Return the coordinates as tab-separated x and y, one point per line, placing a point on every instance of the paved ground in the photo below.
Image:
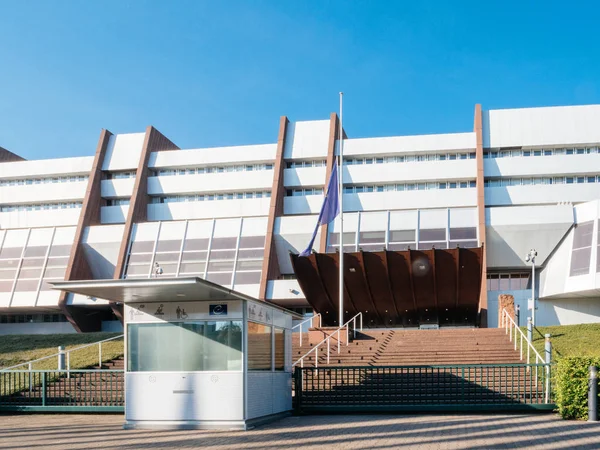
49	432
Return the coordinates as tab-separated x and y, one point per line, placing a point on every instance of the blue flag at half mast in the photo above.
330	208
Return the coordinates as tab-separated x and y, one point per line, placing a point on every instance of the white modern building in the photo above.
141	207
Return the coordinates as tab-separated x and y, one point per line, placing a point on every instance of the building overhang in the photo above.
155	289
164	290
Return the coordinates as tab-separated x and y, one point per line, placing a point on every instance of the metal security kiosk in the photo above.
199	355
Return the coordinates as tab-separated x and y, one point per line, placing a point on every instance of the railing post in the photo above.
593	395
518	315
361	322
529	330
61	357
354	326
100	355
320	320
30	386
328	340
43	388
548	351
68	364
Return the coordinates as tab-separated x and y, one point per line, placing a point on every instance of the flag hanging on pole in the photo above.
330	208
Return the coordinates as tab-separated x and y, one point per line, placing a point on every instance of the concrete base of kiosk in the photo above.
205	425
198	355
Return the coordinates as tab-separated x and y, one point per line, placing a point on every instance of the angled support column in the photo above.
154	141
78	267
270	267
478	128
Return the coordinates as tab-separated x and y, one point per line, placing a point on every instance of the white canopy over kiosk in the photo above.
199	355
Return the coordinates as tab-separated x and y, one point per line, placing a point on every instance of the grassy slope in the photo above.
569	340
15	349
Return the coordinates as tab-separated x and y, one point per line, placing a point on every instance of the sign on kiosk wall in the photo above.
260	313
182	311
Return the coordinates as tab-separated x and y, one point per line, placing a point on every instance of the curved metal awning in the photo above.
395	288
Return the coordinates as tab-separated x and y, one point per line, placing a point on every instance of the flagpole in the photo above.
341	200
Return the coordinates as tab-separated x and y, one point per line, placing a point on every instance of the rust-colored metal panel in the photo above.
445	274
270	267
356	282
311	283
470	283
399	273
375	270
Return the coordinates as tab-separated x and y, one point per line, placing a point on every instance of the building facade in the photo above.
141	207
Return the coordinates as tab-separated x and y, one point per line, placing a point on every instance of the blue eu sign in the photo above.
217	310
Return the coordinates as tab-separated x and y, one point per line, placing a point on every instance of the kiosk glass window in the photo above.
279	348
259	346
184	347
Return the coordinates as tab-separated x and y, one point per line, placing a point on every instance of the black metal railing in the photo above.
93	390
443	387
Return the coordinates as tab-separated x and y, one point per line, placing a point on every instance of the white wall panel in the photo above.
118	187
284	289
412	171
542	165
295	225
123	151
254	226
306	140
213	156
463	217
304	176
209	396
541	126
48	298
541	194
404	220
433	218
47	167
102	234
114	214
374	221
306	204
435	198
409	144
43	193
209	209
43	218
211	182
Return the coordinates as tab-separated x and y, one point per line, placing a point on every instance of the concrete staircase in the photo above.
394	347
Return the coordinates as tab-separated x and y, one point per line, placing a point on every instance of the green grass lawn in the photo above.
15	349
568	340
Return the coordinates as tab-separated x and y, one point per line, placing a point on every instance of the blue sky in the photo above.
222	72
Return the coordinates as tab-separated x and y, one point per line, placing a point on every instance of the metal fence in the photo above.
420	388
62	390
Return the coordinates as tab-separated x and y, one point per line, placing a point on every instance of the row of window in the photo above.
118	202
498	182
409	158
300	164
213	169
46	180
40	206
507	281
410	187
32	318
210	197
120	175
542	152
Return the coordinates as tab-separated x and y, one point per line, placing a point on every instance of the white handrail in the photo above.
509	324
68	354
304	321
327	340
